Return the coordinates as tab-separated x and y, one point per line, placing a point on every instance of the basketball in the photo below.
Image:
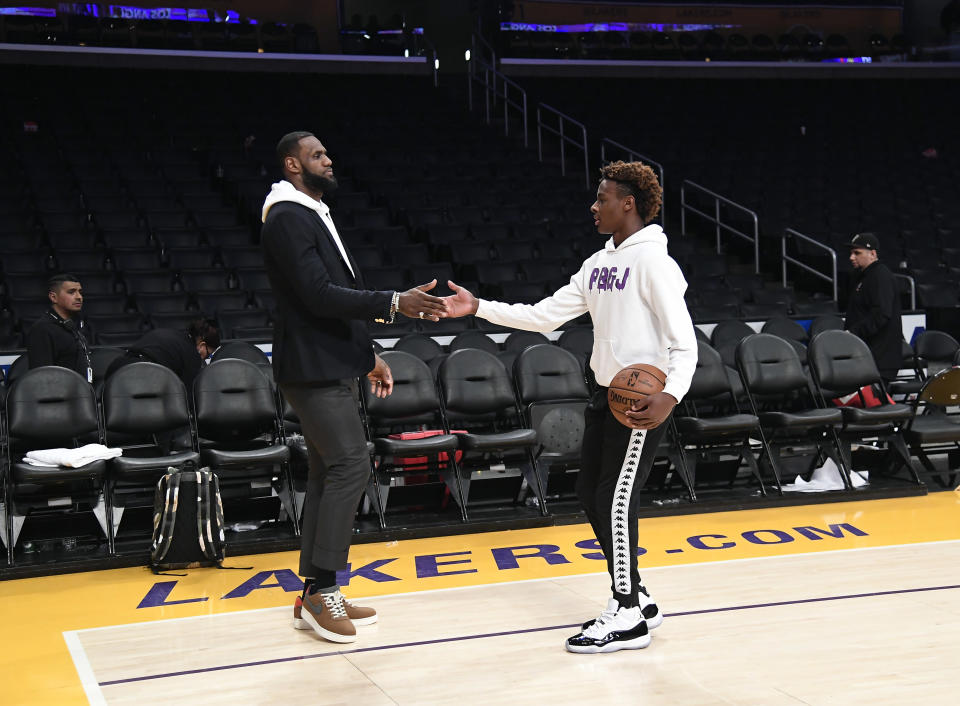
634	382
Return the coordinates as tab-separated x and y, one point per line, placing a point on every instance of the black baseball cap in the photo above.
867	241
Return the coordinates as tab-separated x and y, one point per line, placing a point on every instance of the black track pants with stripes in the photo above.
615	464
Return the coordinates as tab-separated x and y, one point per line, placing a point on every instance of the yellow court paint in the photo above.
36	667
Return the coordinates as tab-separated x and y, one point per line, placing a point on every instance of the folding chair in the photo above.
781	396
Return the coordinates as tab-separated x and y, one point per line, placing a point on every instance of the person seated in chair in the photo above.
184	352
59	337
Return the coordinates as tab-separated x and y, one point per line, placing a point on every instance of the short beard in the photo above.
322	184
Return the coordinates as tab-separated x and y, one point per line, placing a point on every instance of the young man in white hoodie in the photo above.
634	292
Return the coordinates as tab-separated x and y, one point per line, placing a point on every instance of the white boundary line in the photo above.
95	696
87	678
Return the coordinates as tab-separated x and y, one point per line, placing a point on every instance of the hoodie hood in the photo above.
285	191
652	233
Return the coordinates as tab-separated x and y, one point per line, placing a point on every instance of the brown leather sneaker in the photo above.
326	615
358	615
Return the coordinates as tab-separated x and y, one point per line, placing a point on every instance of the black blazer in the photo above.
320	331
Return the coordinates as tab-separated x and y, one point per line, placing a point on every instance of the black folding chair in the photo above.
412	407
782	397
935	425
842	364
710	424
476	392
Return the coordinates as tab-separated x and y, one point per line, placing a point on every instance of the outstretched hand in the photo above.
461	303
417	304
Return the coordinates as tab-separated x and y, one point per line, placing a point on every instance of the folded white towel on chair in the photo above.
71	458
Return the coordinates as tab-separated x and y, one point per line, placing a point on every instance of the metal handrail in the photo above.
635	156
564	139
432	58
510	103
913	288
784	258
497	85
474	39
716	220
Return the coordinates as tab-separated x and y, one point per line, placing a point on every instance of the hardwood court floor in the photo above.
841	604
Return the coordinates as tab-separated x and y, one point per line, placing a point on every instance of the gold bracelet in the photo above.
394	305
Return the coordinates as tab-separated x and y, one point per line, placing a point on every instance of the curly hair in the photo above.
638	180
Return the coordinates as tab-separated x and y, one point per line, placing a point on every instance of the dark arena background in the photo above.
137	145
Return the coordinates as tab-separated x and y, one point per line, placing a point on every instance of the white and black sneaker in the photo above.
617	628
651	613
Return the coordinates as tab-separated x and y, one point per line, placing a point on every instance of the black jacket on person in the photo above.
53	340
171	348
873	314
320	331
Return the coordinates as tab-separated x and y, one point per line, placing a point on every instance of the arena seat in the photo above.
51	407
711	424
933	428
780	395
477	393
413	404
552	393
145	409
840	364
238	431
934	351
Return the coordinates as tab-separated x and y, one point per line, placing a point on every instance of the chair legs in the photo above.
534	477
290	500
686	468
458	486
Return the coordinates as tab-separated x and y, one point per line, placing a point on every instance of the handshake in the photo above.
415	303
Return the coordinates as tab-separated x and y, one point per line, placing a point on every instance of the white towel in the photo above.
71	458
826	477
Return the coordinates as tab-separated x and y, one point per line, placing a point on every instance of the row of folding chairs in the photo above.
787	408
230	423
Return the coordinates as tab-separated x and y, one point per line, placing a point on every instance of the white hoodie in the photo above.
285	191
634	294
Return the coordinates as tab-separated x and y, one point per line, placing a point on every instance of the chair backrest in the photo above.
101	357
730	329
234	401
241	350
548	372
414	392
841	361
785	328
943	389
769	365
142	398
710	378
935	350
474	382
578	339
17	368
51	406
474	339
519	340
423	347
828	322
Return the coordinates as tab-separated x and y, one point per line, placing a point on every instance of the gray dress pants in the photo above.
339	468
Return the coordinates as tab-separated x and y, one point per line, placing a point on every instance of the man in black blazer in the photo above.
320	347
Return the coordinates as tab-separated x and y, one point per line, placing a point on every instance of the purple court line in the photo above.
462	638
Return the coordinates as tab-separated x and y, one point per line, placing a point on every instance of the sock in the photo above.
324	582
627	601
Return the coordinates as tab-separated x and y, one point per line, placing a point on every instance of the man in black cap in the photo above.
873	310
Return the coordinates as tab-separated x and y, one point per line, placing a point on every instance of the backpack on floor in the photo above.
187	521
